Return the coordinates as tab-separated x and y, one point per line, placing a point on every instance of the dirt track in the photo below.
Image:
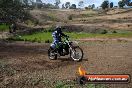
22	63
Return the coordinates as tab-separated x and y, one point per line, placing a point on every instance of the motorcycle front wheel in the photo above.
76	53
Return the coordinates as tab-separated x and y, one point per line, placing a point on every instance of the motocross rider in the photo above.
57	34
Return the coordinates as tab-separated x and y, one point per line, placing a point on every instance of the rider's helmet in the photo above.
58	29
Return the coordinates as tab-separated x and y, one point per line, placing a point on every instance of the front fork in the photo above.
71	51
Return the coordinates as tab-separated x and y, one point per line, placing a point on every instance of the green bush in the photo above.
36	22
114	31
34	40
104	32
47	41
14	39
50	29
70	17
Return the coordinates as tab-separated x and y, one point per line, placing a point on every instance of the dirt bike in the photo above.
67	48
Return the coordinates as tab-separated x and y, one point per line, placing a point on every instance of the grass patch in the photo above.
47	36
4	27
91	35
36	37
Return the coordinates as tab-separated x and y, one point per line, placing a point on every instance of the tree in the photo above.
33	4
121	4
63	6
25	2
57	2
90	6
105	4
127	2
86	8
73	6
67	5
38	1
12	10
28	3
32	1
39	4
111	5
93	6
81	4
49	6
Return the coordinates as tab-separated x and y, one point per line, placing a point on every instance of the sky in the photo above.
86	2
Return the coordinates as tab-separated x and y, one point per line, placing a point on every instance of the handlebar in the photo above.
66	38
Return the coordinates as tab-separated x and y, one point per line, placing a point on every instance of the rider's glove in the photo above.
67	36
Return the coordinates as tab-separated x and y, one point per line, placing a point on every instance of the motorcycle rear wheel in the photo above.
52	54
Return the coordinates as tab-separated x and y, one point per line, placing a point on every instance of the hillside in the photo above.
114	19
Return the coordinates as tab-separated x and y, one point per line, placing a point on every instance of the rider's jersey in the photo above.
57	36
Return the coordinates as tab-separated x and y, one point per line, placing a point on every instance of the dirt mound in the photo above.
82	28
106	39
119	11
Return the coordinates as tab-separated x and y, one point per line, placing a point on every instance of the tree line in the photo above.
11	10
18	9
106	4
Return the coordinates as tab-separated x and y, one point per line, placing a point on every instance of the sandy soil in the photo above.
122	21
